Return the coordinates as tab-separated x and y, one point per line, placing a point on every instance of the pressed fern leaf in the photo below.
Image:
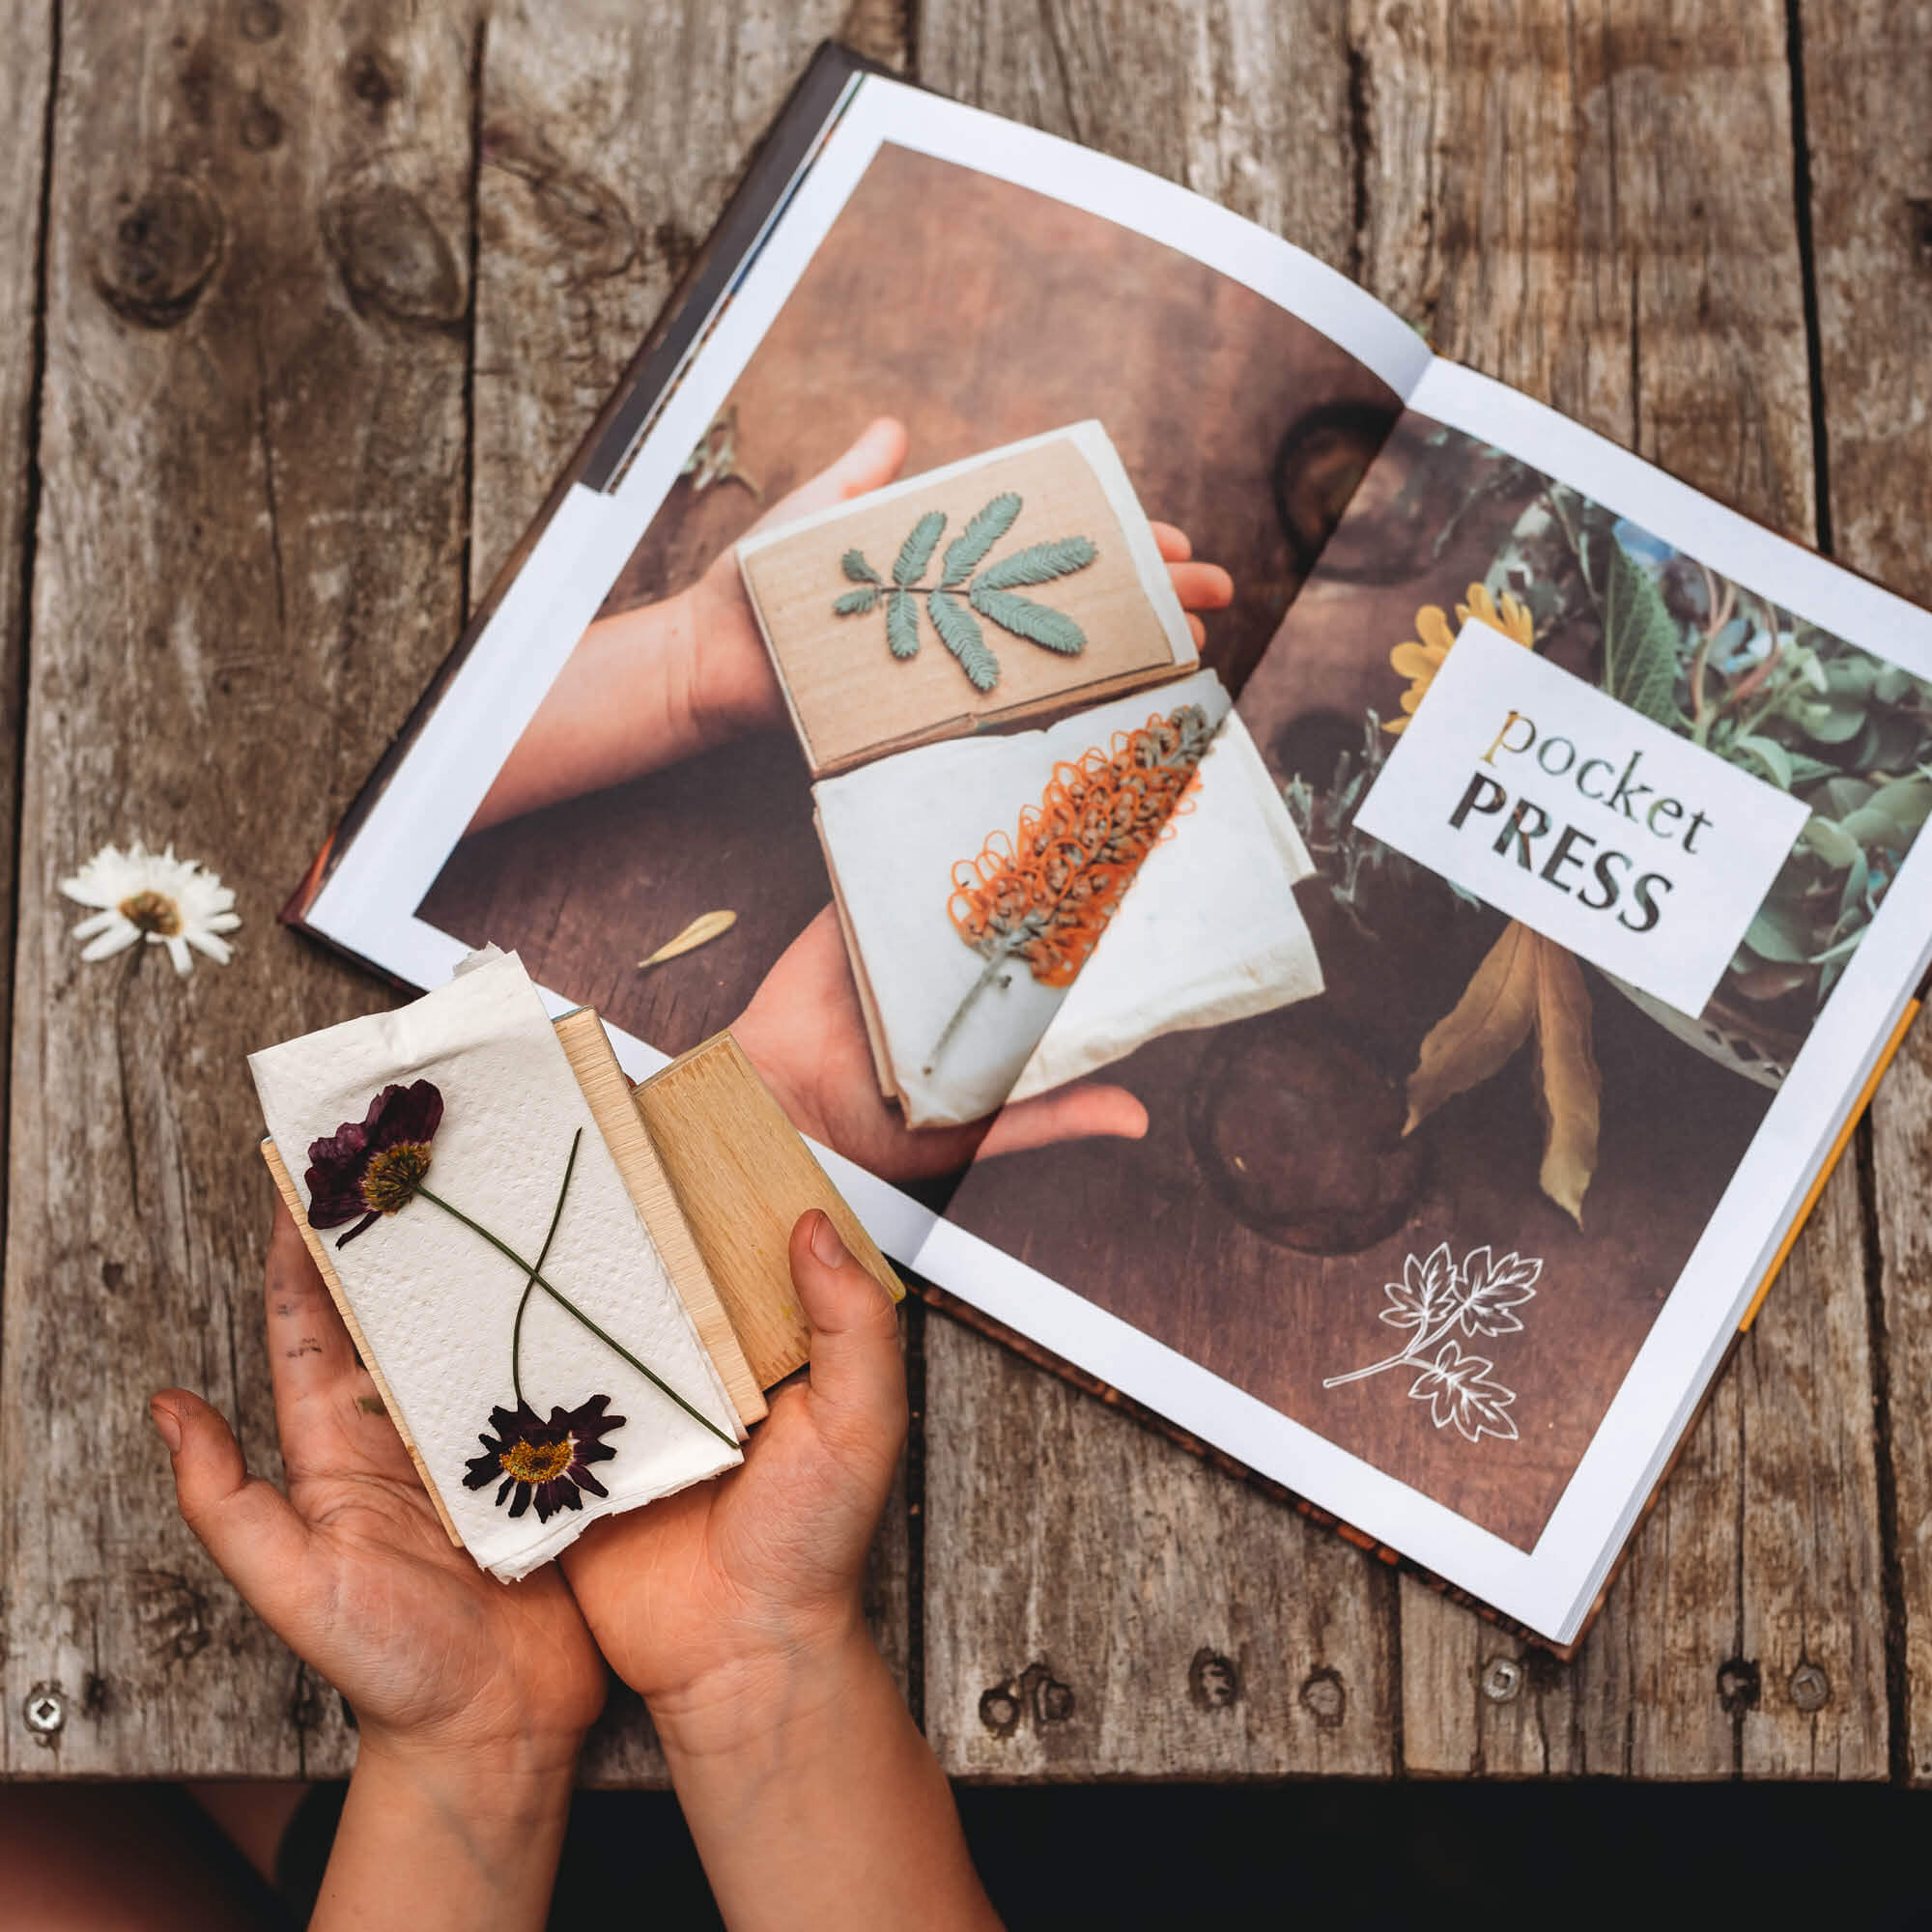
853	564
903	624
961	635
918	548
964	552
856	603
1039	563
1054	630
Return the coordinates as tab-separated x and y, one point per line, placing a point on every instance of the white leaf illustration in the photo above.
1492	1288
1458	1390
1420	1296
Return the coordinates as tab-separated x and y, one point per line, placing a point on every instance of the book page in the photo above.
1609	795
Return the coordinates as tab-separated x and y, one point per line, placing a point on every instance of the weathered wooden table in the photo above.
300	307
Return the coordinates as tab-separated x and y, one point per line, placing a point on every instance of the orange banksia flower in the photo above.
1046	895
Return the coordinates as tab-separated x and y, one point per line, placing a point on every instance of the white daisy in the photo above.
152	895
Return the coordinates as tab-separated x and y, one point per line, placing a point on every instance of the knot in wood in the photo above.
1811	1689
1739	1686
392	257
583	213
371	79
261	21
1918	213
1213	1683
1324	1698
261	126
163	249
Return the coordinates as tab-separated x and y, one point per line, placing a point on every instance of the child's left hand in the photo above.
351	1567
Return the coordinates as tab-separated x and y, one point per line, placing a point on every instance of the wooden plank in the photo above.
610	140
1599	211
248	564
1096	1602
1124	1606
27	29
1868	72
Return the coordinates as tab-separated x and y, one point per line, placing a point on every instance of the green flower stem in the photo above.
543	1255
1005	953
564	1301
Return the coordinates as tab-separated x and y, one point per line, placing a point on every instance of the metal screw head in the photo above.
45	1710
1502	1680
1811	1689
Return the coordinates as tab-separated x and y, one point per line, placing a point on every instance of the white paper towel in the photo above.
437	1302
894	828
1208	931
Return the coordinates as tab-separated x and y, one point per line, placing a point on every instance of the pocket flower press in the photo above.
378	1166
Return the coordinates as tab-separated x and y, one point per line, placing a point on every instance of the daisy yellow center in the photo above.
152	912
393	1177
536	1461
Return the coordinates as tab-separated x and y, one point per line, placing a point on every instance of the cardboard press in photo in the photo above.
963	1016
1018	582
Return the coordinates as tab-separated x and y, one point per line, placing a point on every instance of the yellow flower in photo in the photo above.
1419	662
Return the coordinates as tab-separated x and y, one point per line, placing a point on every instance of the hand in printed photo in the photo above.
649	687
805	1034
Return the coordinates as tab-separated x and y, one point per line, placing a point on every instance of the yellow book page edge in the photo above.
1831	1160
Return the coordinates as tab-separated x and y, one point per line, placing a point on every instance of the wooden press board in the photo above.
720	1213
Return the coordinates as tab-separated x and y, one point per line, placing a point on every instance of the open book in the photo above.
1519	889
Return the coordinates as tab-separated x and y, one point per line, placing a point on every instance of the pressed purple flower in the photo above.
368	1169
545	1459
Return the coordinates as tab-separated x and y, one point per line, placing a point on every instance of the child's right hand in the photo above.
719	1603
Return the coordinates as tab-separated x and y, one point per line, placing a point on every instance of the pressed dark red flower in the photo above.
368	1169
545	1459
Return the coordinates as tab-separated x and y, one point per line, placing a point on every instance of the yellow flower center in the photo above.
393	1177
152	912
536	1461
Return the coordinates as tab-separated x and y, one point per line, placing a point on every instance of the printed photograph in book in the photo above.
1433	1210
919	661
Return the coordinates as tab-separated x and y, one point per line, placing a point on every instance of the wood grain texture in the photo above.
247	567
1101	1602
611	134
247	553
1600	211
744	1178
588	1047
1868	74
1097	1603
27	30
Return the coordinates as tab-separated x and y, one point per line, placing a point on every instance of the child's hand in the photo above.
352	1569
716	1602
805	1033
734	688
